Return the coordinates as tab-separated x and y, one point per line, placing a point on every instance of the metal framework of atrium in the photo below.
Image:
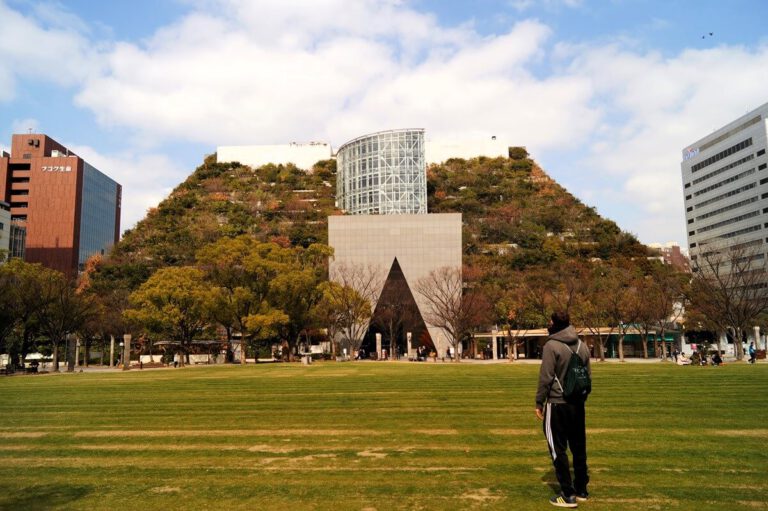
383	173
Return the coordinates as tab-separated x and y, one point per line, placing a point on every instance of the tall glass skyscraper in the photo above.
383	173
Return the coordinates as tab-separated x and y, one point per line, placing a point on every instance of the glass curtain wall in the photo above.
383	173
98	214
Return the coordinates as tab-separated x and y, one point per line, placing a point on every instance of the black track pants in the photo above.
563	429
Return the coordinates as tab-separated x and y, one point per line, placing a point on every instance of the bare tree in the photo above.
449	307
730	287
353	299
523	306
666	297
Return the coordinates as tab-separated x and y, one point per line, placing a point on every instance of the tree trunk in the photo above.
621	347
601	351
55	357
645	345
738	348
72	352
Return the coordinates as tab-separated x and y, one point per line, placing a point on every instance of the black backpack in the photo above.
577	384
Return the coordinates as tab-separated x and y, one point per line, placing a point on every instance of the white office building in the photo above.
725	183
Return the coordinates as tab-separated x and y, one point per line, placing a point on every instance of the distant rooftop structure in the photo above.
671	253
440	150
304	155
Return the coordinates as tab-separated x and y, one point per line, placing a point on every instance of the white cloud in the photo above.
652	107
55	54
319	71
24	125
524	5
146	178
238	72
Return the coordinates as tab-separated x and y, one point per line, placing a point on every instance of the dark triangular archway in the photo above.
396	314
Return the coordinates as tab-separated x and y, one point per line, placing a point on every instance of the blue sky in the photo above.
604	94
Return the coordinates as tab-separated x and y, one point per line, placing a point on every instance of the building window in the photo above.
724	169
722	154
730	221
762	167
726	195
741	231
690	221
761	152
727	208
725	182
693	245
689	208
691	233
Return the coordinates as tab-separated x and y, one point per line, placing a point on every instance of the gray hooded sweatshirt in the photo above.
554	362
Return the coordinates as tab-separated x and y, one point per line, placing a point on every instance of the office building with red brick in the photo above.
70	210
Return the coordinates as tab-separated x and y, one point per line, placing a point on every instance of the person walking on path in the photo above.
752	353
563	421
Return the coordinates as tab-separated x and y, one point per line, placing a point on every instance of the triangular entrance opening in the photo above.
395	315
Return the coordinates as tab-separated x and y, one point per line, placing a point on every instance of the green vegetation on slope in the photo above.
375	436
515	217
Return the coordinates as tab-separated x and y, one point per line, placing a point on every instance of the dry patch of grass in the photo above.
223	433
481	495
22	434
372	454
440	432
750	433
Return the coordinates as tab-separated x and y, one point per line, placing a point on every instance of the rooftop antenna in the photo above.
30	130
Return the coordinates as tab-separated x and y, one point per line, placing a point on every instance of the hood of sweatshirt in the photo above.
567	335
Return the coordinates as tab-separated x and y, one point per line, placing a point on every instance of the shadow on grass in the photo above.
550	479
42	497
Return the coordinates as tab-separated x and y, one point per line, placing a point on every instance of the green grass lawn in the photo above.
376	436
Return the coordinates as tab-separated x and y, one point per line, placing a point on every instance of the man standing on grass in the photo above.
564	425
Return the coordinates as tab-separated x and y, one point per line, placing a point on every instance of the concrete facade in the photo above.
70	210
725	184
421	244
303	155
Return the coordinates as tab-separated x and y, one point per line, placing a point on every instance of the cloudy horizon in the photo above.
604	95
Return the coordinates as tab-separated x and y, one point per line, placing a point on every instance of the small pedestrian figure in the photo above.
752	353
